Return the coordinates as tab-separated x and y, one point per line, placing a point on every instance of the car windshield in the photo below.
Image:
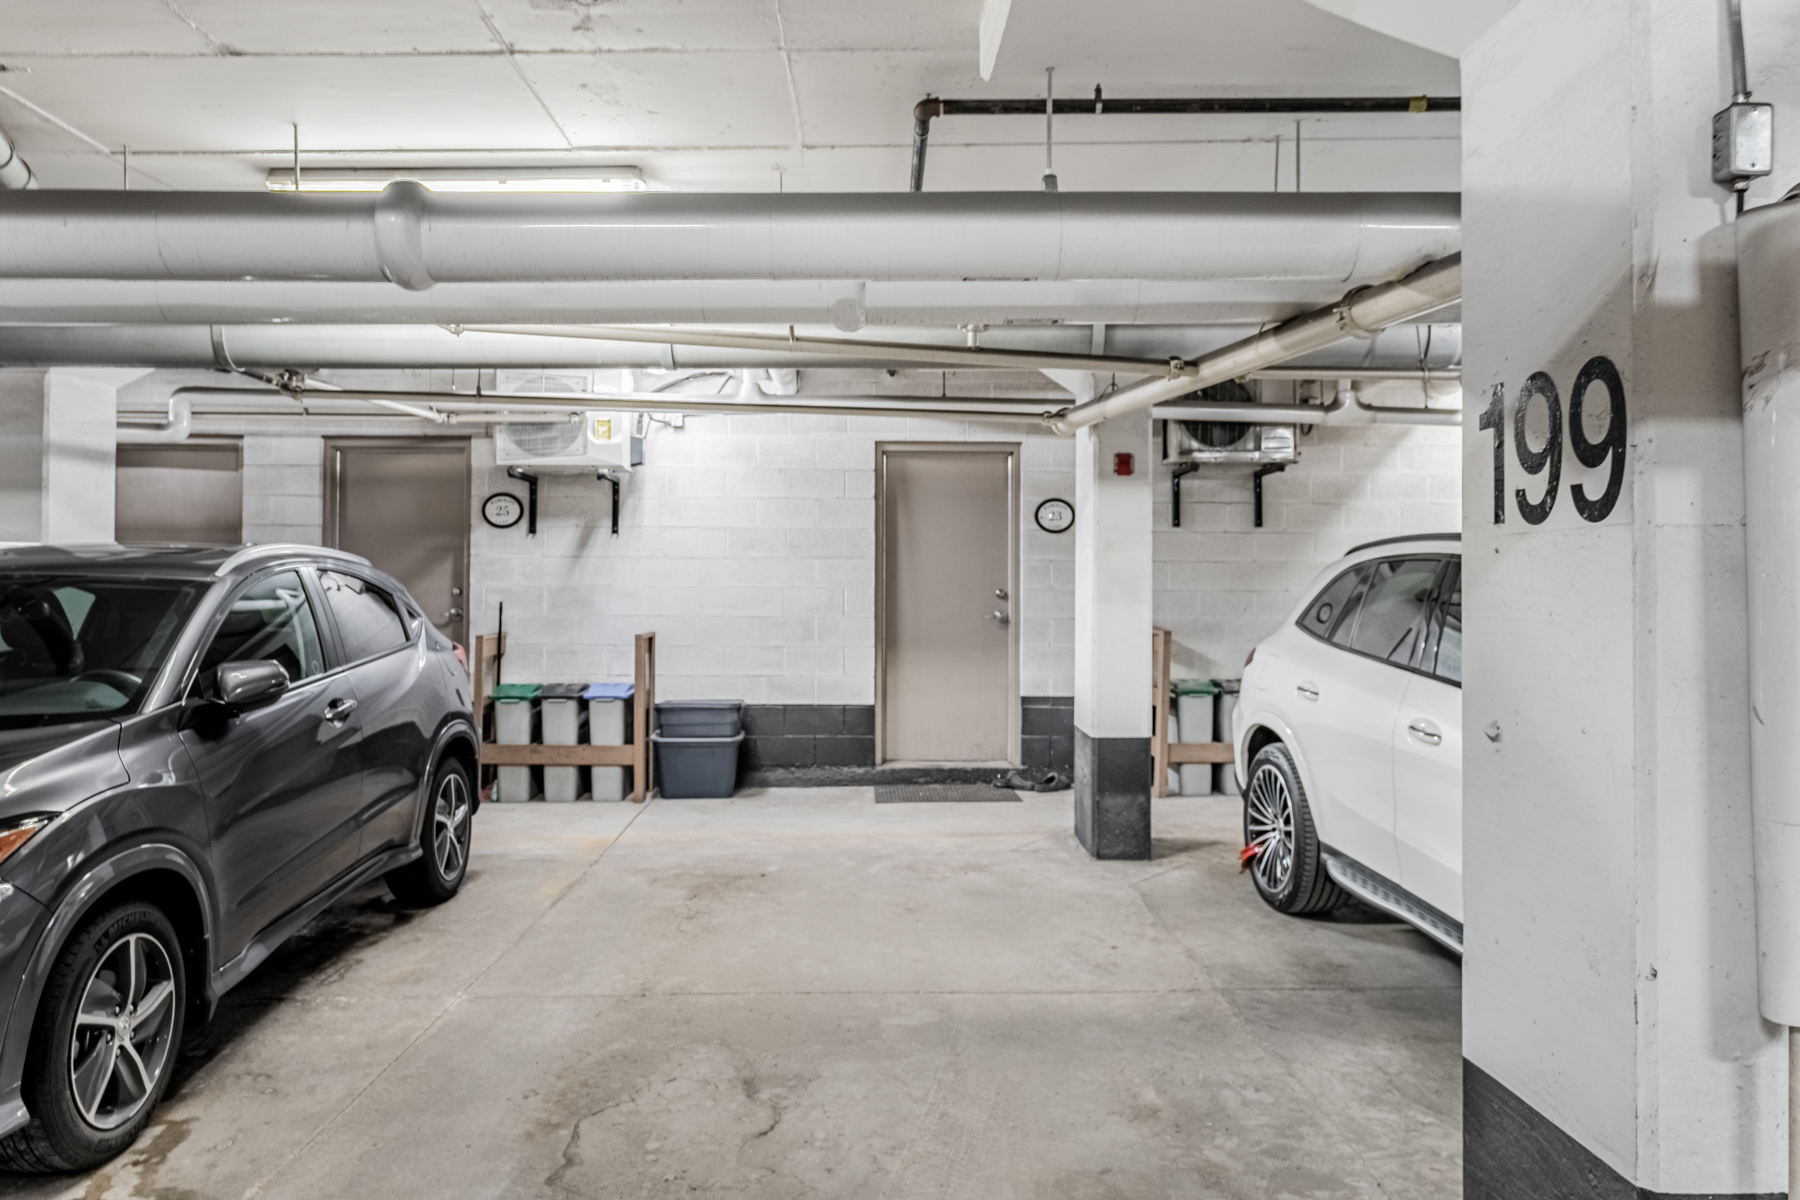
73	648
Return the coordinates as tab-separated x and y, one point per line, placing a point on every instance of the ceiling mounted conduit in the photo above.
416	239
925	110
1401	351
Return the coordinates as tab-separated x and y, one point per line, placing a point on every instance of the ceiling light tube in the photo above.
462	179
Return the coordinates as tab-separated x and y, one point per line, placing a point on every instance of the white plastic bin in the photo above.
1228	699
560	714
1194	712
512	727
608	706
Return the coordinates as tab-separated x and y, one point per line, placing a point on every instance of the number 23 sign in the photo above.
1598	372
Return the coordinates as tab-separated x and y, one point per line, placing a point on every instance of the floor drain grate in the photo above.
941	793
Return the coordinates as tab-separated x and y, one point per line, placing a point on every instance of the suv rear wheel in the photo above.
437	875
1287	867
104	1045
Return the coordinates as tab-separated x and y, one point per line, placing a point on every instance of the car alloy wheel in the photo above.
124	1032
1269	820
450	825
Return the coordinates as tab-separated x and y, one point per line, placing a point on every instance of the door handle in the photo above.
339	710
1307	691
999	614
454	614
1426	732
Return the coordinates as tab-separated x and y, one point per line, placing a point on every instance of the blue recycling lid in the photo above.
609	691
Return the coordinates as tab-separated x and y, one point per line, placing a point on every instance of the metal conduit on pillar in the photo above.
15	172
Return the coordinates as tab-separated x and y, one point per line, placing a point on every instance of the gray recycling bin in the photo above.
1194	721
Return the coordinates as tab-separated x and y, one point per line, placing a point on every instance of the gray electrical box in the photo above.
1743	142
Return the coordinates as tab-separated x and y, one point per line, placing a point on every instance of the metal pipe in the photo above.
948	408
1740	72
931	107
417	238
998	303
15	172
1395	353
1360	314
847	348
175	429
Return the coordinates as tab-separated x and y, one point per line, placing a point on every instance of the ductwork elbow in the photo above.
400	234
15	173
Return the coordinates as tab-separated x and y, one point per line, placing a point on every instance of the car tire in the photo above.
119	982
1288	869
444	837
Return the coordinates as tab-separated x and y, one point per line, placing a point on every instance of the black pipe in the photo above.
531	482
930	107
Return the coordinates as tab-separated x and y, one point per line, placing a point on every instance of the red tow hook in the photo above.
1246	854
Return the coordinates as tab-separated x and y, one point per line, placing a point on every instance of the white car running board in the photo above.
1391	898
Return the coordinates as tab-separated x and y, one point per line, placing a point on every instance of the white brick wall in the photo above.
748	544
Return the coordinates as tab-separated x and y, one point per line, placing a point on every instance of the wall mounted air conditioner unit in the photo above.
1228	442
591	440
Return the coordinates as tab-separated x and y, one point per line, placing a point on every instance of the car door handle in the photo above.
1426	732
339	710
1307	691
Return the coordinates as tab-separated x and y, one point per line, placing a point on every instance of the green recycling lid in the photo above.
517	691
1195	687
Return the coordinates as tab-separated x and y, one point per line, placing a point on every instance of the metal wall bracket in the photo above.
1256	485
531	482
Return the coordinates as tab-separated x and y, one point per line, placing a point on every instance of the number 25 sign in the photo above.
1597	372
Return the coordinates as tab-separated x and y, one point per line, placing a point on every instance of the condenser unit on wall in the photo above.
1228	442
590	440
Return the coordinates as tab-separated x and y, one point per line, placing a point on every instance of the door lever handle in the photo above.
1000	615
339	710
1426	732
1307	691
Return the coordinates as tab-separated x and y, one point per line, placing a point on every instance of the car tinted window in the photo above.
367	618
1387	625
273	620
74	648
1333	607
1444	654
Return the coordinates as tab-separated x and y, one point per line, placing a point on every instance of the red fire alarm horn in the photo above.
1122	464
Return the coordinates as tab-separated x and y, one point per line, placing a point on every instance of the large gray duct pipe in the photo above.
845	304
415	238
272	347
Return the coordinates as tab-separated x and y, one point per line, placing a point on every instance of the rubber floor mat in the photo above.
941	793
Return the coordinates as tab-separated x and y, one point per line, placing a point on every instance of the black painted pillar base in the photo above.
1112	795
1513	1152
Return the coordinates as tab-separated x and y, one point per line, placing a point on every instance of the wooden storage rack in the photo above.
1164	752
634	754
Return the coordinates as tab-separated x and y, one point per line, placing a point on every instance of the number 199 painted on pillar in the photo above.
1548	457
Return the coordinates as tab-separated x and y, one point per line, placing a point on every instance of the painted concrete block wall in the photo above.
748	542
1610	971
21	455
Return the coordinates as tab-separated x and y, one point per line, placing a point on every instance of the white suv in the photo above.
1349	740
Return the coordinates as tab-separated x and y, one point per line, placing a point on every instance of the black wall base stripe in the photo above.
1513	1152
833	745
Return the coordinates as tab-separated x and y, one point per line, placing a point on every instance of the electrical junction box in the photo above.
1743	142
589	440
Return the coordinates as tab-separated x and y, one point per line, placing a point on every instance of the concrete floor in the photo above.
804	994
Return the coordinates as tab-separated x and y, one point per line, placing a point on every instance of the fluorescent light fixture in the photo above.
463	179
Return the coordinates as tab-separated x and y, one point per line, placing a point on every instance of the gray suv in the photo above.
200	750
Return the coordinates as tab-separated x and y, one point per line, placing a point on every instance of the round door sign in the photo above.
1055	516
502	510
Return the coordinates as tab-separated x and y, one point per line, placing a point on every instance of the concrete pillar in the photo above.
58	430
1112	638
1611	1035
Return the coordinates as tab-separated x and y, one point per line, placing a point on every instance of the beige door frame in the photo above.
1011	450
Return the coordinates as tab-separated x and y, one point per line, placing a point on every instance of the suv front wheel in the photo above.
104	1045
1287	867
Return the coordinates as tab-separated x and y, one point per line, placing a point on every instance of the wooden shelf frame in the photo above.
1163	752
636	753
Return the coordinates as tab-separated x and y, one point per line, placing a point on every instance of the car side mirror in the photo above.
246	684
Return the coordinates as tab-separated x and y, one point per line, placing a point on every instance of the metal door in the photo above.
403	504
191	493
947	579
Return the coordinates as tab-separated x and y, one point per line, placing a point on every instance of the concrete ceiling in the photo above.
742	95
